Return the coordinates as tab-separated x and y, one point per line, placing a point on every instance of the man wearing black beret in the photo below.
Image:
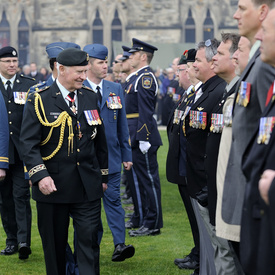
14	190
65	151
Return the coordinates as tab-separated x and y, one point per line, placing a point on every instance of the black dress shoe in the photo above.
144	231
191	264
24	251
9	250
123	252
180	261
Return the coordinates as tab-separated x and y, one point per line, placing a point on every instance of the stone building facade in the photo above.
29	25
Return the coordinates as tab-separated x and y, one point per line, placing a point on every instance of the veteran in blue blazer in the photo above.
112	111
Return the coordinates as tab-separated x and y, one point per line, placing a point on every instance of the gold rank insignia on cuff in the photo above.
104	172
4	159
37	169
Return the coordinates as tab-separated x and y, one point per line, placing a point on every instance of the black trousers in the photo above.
53	223
15	205
195	253
146	169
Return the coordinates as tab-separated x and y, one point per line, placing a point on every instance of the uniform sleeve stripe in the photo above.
4	159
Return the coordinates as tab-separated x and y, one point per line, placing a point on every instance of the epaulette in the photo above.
43	89
26	76
88	88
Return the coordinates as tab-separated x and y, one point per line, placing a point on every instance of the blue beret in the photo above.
8	52
139	45
126	53
55	48
73	57
96	51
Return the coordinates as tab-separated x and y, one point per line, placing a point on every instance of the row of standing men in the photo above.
221	146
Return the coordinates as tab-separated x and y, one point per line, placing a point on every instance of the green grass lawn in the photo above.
154	255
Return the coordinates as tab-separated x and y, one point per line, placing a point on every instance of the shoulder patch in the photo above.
43	89
147	81
88	88
26	76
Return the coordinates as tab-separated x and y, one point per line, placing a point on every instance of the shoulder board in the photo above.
43	89
87	88
26	76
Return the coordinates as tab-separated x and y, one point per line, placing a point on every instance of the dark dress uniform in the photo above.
15	188
4	138
211	159
257	226
78	170
196	138
176	165
140	102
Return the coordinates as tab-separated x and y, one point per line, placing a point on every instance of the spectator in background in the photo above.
34	73
44	71
26	69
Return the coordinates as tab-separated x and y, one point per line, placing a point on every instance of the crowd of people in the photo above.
74	136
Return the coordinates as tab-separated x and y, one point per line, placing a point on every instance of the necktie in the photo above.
8	87
72	102
224	93
99	94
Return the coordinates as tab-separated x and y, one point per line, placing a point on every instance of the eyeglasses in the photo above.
9	61
208	43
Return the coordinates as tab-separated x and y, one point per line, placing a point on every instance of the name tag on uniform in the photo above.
19	97
92	117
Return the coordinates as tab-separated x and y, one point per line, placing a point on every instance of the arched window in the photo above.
23	40
190	29
208	27
4	31
116	28
97	29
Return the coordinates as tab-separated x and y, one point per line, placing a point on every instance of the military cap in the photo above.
126	53
8	52
139	45
73	57
182	60
55	48
97	51
190	55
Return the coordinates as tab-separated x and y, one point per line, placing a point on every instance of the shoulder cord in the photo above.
61	120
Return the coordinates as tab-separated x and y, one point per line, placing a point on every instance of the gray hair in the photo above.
210	46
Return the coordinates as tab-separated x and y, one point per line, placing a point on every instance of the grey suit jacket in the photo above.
245	121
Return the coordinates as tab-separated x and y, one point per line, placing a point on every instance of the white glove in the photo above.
144	146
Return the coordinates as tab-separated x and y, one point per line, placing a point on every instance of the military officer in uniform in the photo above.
112	109
65	150
140	101
176	157
4	141
53	51
15	188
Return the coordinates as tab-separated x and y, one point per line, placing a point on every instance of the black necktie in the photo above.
9	87
71	102
99	94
